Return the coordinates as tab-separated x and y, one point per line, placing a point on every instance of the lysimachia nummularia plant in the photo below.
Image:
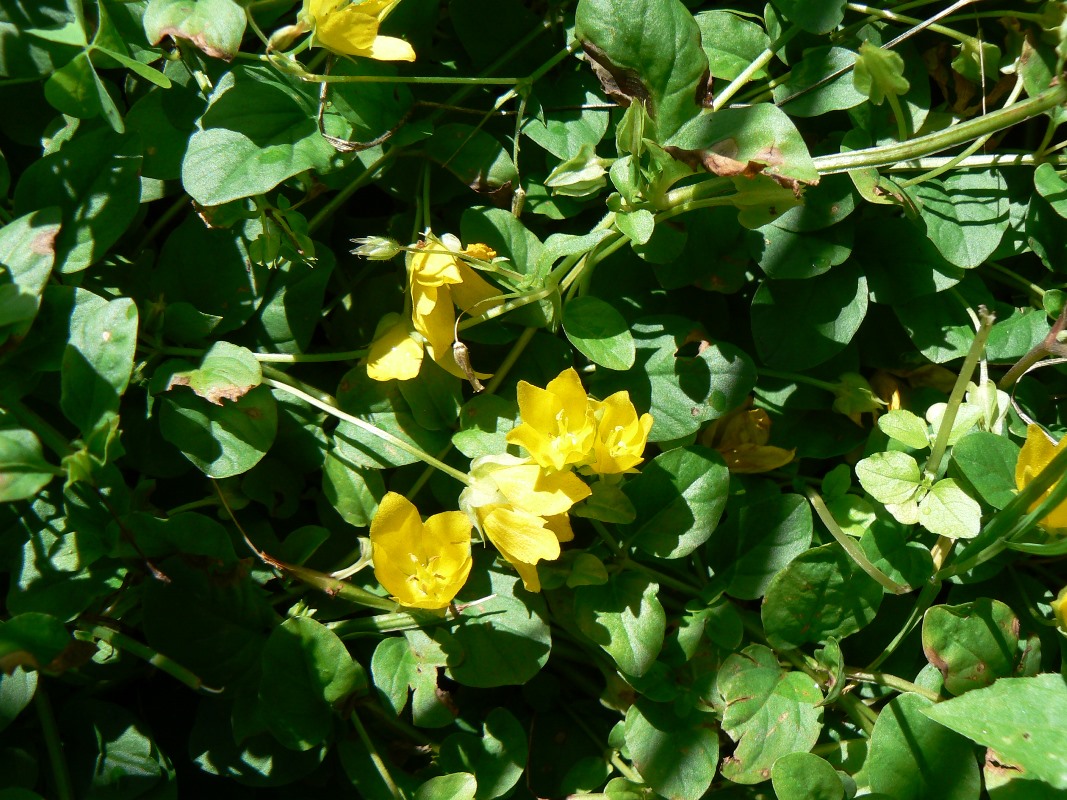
478	399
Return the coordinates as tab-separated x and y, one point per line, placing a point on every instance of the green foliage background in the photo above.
812	208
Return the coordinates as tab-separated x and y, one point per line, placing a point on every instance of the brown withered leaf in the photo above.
621	84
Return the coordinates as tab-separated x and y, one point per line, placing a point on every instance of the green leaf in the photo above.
505	640
901	263
599	332
354	492
638	226
891	477
625	618
987	462
476	158
769	713
77	90
23	56
821	594
879	73
382	405
729	140
940	331
258	760
219	281
565	134
220	440
798	324
410	664
648	51
17	688
731	43
193	534
905	427
214	26
1022	718
98	359
496	758
814	16
484	422
226	372
455	786
94	180
805	776
949	511
913	758
23	468
972	644
31	640
110	749
257	132
26	257
784	254
1052	187
681	392
757	540
306	670
804	94
965	214
679	497
677	755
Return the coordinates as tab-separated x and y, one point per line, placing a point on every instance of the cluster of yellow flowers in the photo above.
520	504
439	281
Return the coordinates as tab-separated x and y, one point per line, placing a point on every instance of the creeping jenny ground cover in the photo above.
482	399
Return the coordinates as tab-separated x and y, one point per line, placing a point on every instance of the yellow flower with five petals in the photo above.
440	280
558	425
421	564
522	509
1037	452
351	28
621	436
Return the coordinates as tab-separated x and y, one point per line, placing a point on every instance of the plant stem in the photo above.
273	358
937	451
850	546
762	60
892	681
942	140
121	641
334	411
790	376
376	759
53	743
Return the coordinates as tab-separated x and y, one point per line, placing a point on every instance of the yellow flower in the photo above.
1059	608
394	353
522	510
558	423
352	29
421	564
741	437
619	442
1033	458
439	280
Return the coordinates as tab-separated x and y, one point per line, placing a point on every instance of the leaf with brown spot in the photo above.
227	372
745	142
215	26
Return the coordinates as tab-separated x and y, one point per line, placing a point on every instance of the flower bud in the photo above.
376	248
580	176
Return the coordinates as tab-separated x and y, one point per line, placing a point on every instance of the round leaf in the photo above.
599	332
676	755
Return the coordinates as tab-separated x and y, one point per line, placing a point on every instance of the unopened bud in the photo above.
580	176
376	248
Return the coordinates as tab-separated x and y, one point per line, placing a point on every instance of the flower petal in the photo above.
394	355
387	48
520	536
